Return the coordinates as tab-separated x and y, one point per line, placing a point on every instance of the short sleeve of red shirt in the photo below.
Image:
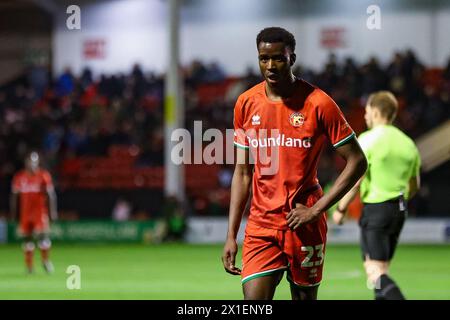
47	180
333	122
240	140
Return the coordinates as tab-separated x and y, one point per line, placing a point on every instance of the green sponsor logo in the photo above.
97	231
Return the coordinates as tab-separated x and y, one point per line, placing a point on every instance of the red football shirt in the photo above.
32	189
285	139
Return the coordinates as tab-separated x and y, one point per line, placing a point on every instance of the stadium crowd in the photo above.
72	116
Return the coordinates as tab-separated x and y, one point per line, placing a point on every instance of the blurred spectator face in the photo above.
275	61
32	162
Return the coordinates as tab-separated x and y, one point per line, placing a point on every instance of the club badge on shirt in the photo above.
296	119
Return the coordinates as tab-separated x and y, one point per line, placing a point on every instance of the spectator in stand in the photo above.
38	78
86	78
214	73
65	83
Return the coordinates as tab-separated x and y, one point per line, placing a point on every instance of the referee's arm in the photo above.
341	209
414	186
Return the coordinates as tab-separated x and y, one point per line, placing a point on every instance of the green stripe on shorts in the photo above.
262	274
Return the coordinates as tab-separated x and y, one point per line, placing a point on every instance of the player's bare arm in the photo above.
356	166
51	194
240	191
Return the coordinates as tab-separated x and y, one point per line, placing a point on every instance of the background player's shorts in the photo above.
28	228
300	252
381	224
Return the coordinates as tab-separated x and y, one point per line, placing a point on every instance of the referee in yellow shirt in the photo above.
391	179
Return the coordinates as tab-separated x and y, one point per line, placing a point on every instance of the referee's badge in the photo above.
296	119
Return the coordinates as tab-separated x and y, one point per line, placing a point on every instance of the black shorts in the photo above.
381	224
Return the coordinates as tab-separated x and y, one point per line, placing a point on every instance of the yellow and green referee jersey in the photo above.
393	159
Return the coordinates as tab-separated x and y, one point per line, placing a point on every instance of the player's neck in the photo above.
380	122
284	90
32	172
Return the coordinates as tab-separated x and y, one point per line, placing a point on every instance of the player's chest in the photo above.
300	121
31	185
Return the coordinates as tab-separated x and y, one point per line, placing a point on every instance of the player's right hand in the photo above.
338	217
229	256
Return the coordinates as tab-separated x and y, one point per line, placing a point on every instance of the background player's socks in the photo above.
28	248
45	254
29	260
388	289
48	266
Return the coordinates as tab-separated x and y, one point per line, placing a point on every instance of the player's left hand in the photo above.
338	217
300	215
229	257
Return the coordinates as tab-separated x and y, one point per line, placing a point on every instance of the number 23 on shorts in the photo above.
314	256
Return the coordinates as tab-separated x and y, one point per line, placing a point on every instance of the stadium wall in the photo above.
119	33
99	204
95	231
430	231
209	230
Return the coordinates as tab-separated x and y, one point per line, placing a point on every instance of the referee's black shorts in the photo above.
381	224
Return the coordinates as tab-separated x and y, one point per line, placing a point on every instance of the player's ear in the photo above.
293	57
376	113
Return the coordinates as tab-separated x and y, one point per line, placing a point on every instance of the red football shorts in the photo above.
300	252
28	227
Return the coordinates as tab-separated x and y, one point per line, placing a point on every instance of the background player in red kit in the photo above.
287	120
34	189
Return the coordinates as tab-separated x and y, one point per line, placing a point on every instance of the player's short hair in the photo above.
276	34
385	102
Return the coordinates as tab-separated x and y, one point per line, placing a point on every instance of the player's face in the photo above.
32	162
275	61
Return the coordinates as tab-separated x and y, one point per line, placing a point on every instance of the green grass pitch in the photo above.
191	272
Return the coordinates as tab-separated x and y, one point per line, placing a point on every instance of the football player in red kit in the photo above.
33	197
289	120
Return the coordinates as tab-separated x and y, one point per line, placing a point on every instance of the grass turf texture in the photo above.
186	272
